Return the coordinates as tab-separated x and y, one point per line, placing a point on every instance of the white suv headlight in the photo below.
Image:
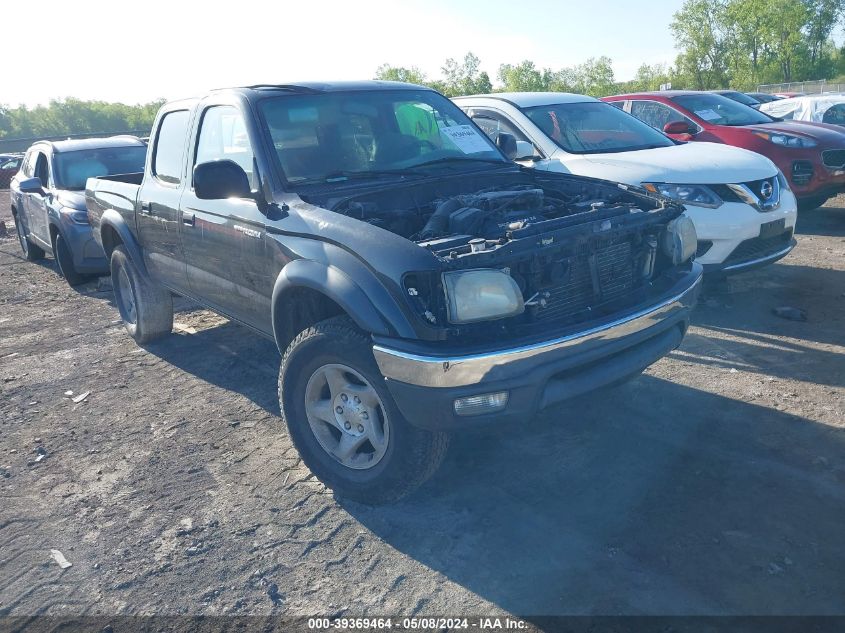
481	295
680	241
698	195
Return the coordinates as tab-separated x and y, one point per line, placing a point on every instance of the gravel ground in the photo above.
713	484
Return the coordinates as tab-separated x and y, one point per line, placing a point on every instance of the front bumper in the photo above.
88	255
724	229
824	182
539	374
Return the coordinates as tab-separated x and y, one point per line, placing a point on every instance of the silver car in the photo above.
48	199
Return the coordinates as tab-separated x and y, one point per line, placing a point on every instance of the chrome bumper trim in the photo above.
761	260
458	371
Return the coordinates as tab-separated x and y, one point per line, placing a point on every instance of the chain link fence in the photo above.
810	87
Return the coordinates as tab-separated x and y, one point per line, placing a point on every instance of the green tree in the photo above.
411	75
787	42
465	78
699	31
823	17
524	77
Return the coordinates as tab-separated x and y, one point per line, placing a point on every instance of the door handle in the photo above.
146	207
189	220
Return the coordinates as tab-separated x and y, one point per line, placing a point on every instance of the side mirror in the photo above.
219	179
31	185
507	143
678	127
524	150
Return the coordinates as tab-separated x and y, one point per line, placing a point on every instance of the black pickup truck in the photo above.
414	279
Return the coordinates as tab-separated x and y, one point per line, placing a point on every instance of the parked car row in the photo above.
821	108
743	210
488	257
810	155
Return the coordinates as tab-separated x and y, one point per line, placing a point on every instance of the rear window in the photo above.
73	169
170	146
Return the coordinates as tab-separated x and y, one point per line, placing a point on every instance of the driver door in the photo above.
224	239
36	203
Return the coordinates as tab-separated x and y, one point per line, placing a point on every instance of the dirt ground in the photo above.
713	484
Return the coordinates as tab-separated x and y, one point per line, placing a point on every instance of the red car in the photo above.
811	155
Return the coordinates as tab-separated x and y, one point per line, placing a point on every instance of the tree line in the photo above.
75	116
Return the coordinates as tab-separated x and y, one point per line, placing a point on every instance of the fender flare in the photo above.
114	220
335	285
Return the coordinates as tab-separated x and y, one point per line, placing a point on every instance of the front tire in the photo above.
31	252
344	422
64	258
145	307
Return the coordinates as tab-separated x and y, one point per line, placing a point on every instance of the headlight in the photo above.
787	140
698	195
480	295
679	241
77	216
784	185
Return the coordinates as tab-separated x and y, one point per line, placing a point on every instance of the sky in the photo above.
138	52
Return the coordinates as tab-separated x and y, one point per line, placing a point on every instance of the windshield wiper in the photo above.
340	175
451	159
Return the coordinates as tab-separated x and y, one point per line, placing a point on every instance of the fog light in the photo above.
484	403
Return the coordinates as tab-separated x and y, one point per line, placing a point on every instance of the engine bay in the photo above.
576	248
464	223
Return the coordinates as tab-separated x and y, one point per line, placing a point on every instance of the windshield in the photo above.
720	110
334	136
741	97
72	169
594	127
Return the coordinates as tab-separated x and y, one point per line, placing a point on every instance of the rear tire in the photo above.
324	371
31	252
64	258
145	307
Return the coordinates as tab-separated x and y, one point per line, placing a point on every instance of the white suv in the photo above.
743	210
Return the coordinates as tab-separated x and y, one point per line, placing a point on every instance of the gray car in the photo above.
48	199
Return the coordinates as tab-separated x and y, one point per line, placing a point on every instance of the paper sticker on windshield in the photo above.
466	139
708	114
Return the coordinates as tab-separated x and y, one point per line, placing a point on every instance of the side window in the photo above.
223	136
620	105
494	125
41	169
28	164
169	151
655	114
835	115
